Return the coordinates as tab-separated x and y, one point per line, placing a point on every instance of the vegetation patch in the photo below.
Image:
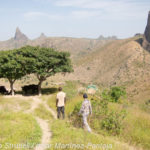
65	136
114	94
42	112
14	104
19	128
102	118
145	106
70	89
137	129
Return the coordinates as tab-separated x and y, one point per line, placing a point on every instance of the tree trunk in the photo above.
39	88
12	87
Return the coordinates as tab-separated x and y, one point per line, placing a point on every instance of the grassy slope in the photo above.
136	131
136	126
17	127
64	134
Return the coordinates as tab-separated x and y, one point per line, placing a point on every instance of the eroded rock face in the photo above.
146	41
19	36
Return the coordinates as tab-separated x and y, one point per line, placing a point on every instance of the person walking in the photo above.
60	103
85	110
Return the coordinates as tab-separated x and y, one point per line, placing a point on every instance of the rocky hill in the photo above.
146	41
17	41
76	46
120	62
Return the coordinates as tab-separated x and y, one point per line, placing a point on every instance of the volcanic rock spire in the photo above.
146	41
19	36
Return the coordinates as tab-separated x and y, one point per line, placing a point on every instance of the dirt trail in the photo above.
51	110
35	103
44	125
46	134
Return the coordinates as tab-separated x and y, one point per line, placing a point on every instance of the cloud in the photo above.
85	14
102	9
40	15
126	8
73	3
96	4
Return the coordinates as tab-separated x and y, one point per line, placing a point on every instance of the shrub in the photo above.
102	118
116	93
88	68
113	122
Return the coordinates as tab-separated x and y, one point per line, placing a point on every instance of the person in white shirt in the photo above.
60	103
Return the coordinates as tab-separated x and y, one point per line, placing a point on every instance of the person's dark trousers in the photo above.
61	110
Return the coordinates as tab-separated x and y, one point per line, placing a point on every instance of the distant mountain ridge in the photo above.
76	46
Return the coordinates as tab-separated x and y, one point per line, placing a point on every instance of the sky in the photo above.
73	18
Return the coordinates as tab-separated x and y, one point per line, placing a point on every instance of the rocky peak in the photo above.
146	41
147	30
42	36
19	36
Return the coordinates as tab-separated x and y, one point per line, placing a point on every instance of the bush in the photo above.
102	118
113	122
114	94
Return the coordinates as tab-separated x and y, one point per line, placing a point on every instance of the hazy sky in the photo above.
73	18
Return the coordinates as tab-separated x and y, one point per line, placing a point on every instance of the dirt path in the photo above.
35	103
46	134
51	110
44	125
46	137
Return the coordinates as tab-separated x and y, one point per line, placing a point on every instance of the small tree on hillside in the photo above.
116	93
47	62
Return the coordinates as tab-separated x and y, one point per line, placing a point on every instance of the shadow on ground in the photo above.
45	91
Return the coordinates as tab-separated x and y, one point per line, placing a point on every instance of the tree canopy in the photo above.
47	62
43	62
11	67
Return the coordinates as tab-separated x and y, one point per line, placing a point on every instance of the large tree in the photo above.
47	62
12	66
